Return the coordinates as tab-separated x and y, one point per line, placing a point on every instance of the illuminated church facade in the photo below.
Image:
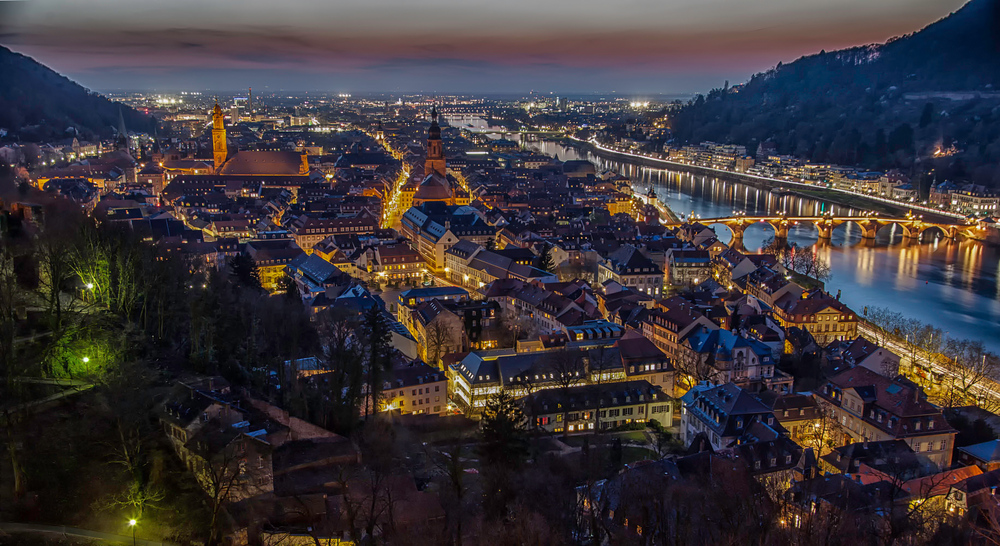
435	185
251	163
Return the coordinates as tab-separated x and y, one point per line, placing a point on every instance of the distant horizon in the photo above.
572	95
632	48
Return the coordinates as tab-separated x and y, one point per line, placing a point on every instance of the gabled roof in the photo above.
628	260
315	268
987	452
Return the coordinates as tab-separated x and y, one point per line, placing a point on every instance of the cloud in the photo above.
549	42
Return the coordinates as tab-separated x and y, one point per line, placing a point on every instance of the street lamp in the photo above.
86	359
131	523
90	286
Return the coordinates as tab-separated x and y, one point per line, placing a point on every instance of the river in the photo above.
952	285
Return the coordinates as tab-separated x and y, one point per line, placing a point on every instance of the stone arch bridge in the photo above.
913	227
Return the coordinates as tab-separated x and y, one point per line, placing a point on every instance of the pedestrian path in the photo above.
102	538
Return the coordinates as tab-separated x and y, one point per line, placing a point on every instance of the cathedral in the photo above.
249	163
434	185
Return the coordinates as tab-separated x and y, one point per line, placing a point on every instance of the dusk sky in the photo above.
629	46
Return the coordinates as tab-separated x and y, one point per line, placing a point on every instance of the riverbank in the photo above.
830	195
938	281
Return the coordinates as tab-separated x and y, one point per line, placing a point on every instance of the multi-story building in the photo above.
975	200
641	359
271	257
628	267
819	313
800	415
870	407
720	356
434	228
470	265
542	310
688	266
415	388
586	408
768	285
722	413
411	299
394	262
670	321
437	330
309	230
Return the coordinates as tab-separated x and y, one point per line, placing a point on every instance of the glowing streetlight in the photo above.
86	359
90	286
132	523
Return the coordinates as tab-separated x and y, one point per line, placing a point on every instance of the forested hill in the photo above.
37	104
879	106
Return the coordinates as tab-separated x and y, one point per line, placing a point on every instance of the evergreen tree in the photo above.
376	355
503	448
504	436
545	262
243	270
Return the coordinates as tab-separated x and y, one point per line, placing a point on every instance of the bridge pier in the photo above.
738	230
868	229
825	230
780	230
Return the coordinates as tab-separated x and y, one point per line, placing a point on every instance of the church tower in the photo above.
122	141
435	149
219	150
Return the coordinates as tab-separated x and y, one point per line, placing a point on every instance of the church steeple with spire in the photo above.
121	141
434	184
435	162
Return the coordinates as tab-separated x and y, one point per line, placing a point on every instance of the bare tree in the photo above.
440	339
368	498
824	433
220	477
565	369
886	323
12	366
598	360
448	462
972	371
807	262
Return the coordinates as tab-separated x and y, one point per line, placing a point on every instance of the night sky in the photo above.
563	46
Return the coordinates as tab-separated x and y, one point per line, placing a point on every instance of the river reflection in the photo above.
951	284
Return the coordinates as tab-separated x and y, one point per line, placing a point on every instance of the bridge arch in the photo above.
895	229
807	232
723	230
929	233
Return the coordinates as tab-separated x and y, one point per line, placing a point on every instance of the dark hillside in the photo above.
879	106
37	104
